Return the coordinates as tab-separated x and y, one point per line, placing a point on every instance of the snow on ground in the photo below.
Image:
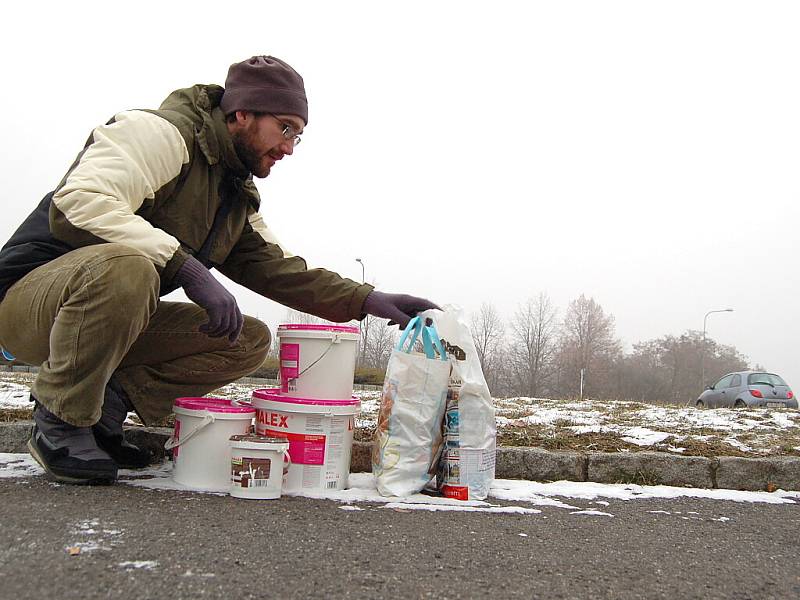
14	395
664	427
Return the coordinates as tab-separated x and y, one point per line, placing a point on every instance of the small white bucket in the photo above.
320	436
257	466
318	361
200	443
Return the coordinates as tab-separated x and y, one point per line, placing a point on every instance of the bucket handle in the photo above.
334	340
172	442
288	458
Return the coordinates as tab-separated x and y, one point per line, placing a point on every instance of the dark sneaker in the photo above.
109	434
69	454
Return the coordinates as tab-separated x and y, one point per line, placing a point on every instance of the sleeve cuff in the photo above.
357	301
172	267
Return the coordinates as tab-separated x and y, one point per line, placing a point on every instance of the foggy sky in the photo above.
644	154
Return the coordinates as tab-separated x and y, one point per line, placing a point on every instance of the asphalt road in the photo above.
203	546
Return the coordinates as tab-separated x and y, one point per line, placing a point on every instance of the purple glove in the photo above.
398	308
224	318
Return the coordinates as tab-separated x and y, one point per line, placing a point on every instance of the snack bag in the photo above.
408	436
467	464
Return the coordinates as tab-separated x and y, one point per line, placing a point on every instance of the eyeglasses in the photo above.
287	131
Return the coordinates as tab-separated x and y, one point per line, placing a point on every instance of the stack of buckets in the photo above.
307	423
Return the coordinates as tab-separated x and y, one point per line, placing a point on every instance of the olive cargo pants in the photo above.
93	313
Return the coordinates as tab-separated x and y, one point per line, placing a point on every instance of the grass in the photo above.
766	437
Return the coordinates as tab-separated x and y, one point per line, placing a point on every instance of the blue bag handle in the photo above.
414	326
431	344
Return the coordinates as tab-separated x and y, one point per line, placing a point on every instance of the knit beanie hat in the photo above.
264	84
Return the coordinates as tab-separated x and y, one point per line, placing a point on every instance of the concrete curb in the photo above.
536	464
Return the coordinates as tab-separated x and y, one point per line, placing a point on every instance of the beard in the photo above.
242	143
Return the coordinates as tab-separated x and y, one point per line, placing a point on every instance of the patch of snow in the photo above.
349	507
596	513
785	420
18	465
522	534
641	436
138	564
517	490
86	547
659	512
14	395
517	510
737	444
159	477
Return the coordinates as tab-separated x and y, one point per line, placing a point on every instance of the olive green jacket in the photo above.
168	182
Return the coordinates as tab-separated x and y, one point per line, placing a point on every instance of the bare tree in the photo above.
488	333
533	345
380	343
295	316
588	344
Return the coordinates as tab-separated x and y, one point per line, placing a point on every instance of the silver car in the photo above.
748	388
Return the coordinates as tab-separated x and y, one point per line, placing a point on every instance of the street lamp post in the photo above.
703	349
361	262
364	322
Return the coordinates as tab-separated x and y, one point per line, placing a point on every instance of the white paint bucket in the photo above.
257	466
320	436
318	361
200	443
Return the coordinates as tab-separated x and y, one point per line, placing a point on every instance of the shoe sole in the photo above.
65	478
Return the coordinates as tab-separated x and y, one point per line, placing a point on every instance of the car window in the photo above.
723	383
736	381
764	378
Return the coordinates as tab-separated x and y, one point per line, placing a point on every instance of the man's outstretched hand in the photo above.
224	317
398	308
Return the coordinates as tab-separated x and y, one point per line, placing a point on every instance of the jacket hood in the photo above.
200	104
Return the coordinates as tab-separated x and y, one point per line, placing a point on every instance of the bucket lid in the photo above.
319	327
215	405
274	394
257	439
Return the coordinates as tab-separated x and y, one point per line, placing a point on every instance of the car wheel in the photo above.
700	404
739	404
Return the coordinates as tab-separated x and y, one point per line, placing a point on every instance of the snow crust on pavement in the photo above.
362	489
516	510
138	564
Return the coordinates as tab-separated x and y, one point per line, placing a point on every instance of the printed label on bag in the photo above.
290	365
303	448
250	472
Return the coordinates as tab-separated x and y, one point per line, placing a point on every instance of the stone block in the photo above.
650	468
14	436
766	474
536	464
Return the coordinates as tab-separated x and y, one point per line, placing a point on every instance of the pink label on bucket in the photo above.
290	364
303	448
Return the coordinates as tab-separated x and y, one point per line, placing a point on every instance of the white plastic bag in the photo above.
408	437
467	464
